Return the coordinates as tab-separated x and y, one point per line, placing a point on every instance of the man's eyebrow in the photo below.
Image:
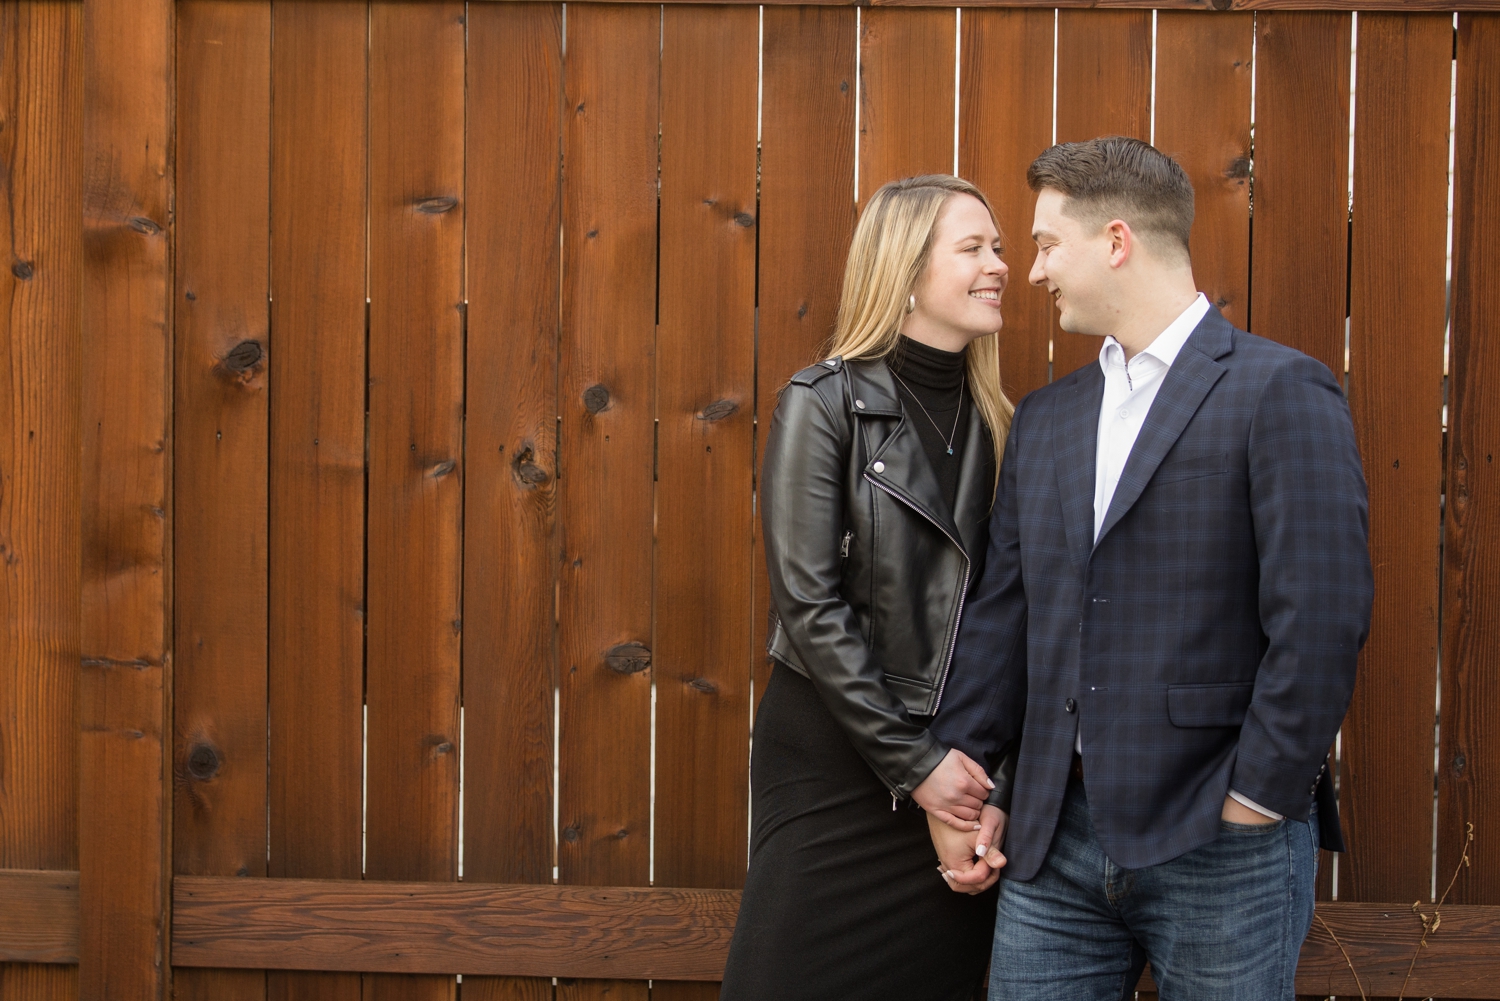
1038	234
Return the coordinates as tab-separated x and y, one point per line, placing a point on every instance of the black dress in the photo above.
843	898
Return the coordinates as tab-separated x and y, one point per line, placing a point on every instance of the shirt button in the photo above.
1124	413
879	467
1070	706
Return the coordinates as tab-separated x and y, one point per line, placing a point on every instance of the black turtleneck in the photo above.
930	378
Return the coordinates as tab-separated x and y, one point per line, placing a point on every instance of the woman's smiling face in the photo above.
958	296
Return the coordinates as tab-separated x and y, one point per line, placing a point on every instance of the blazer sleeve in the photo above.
984	704
802	515
1311	519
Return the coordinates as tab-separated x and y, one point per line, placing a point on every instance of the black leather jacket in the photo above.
868	571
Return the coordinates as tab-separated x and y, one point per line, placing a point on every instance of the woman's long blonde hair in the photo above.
892	244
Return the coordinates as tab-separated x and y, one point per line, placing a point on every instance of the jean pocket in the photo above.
1231	827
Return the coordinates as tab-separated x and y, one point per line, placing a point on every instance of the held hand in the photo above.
1238	813
955	791
992	822
960	869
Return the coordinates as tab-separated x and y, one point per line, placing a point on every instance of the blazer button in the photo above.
879	467
1070	706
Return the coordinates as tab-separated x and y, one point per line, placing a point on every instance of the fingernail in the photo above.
978	826
980	850
988	783
951	874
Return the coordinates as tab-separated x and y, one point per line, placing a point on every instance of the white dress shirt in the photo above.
1129	389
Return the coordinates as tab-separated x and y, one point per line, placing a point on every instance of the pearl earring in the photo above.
911	303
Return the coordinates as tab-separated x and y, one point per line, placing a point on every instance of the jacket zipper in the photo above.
844	548
963	592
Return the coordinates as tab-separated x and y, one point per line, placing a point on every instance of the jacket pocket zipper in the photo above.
844	546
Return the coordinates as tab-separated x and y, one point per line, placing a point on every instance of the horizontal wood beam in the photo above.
38	916
683	934
1203	5
469	928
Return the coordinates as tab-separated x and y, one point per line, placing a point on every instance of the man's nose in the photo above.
1038	274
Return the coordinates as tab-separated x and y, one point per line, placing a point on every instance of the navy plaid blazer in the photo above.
1207	640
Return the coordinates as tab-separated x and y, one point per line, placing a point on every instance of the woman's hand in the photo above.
956	858
955	791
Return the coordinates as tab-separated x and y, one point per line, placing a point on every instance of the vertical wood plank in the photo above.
705	392
1469	762
41	179
806	217
219	453
1299	257
128	48
415	492
606	398
1203	71
906	94
510	564
316	550
1395	392
1006	54
1103	88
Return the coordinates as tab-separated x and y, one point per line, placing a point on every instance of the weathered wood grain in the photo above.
681	934
1299	259
906	95
705	380
806	219
1005	53
415	475
41	181
1469	762
510	555
607	403
1203	71
41	199
39	922
315	684
126	403
1103	88
1395	393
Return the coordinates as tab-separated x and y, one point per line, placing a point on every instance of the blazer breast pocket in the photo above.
1191	468
1223	704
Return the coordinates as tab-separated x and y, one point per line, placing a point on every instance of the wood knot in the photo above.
596	399
524	468
22	270
718	410
442	469
143	225
571	833
744	219
1221	4
243	358
438	205
1238	169
704	685
628	658
203	762
801	311
440	745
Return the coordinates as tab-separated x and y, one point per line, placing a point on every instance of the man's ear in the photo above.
1121	242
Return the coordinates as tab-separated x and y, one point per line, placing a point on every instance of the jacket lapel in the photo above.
1075	444
1183	390
976	492
898	464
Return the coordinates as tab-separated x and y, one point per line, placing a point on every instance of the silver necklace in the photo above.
948	441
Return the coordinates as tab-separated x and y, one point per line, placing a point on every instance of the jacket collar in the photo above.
904	469
1076	434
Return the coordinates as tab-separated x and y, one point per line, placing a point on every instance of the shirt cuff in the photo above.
1246	801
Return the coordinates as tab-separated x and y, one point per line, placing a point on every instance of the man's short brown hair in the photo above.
1114	177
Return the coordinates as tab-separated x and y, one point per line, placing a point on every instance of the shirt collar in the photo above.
1168	343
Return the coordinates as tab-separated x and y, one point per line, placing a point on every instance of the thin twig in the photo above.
1430	924
1357	983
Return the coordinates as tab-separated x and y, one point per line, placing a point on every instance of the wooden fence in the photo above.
382	390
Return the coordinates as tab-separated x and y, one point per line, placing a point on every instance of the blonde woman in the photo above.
879	474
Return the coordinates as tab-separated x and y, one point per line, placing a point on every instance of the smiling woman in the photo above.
875	494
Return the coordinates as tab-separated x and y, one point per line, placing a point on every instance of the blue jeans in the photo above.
1225	922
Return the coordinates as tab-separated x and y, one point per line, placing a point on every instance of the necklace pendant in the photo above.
950	449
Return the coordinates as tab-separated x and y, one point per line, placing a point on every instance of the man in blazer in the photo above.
1177	589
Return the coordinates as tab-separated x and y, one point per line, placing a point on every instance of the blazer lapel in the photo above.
1075	444
1183	389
